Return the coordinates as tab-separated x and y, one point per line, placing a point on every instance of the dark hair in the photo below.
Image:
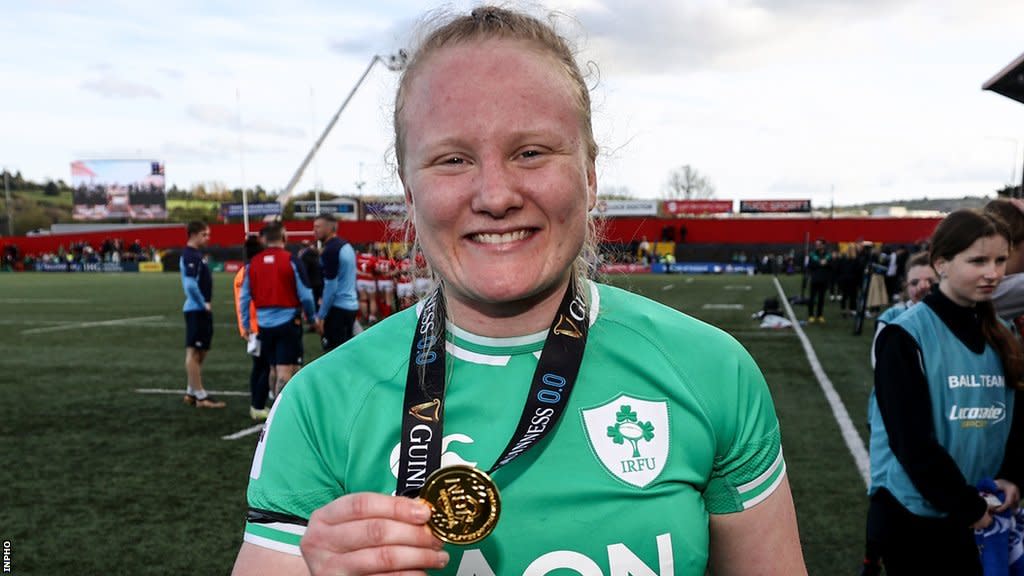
195	227
1011	215
919	259
326	216
273	232
252	247
956	233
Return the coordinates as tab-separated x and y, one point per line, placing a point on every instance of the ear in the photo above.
591	185
940	266
409	205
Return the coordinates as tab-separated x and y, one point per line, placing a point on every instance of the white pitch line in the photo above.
853	440
43	301
182	391
76	325
739	287
243	433
722	307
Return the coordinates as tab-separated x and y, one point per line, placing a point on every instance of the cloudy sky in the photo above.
851	100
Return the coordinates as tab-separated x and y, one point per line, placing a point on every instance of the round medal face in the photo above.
465	504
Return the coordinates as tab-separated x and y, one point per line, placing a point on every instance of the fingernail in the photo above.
442	559
421	511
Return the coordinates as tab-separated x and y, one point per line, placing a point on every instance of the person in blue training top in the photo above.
198	285
340	302
946	380
276	282
920	279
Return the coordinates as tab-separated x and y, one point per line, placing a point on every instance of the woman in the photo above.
663	456
920	279
946	379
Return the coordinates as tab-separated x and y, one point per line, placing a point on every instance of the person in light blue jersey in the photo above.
947	379
340	303
198	285
275	281
920	279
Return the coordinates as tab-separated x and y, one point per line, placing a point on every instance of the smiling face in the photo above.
497	180
972	275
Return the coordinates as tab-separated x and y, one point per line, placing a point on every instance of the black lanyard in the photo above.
423	410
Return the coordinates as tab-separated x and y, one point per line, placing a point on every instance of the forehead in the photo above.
500	73
988	244
920	271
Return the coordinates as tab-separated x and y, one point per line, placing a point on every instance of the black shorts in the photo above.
282	345
337	328
198	329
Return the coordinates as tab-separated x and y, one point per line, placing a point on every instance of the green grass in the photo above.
98	479
62	200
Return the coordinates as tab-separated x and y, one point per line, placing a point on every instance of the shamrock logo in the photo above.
627	427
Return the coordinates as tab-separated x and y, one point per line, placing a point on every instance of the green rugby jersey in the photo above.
670	421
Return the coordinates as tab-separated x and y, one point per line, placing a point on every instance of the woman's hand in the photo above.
368	533
1011	495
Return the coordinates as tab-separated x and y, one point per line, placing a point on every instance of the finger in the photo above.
388	559
372	533
365	505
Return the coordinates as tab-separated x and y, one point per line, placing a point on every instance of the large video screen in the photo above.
118	189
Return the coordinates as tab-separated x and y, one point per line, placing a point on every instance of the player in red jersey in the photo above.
403	288
366	286
385	274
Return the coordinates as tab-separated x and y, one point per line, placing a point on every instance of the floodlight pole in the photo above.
395	63
10	213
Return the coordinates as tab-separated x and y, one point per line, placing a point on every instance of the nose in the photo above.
995	271
497	189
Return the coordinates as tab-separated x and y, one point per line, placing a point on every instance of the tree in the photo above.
616	193
51	189
686	183
1009	191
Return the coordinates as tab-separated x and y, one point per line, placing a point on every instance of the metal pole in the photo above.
1020	191
10	213
283	198
241	165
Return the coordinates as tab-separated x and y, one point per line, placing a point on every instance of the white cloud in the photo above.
111	86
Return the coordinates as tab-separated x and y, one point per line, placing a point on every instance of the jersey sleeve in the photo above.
290	476
329	262
748	464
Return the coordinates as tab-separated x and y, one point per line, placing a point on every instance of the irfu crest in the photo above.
627	427
630	437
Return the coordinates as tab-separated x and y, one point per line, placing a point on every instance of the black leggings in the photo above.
818	290
912	545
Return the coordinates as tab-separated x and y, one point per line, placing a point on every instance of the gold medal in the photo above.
465	504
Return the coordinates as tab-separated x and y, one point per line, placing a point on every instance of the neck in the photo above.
192	244
507	319
944	288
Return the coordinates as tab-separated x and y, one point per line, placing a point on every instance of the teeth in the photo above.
501	238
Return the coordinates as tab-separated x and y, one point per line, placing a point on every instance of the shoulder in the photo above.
663	327
892	313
